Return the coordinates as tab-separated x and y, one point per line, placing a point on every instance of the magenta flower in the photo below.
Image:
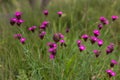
104	20
52	56
62	43
96	32
100	42
18	15
22	40
13	21
19	22
43	27
93	39
45	12
100	26
82	48
32	28
96	52
42	34
78	43
113	62
110	48
52	49
52	45
45	23
110	73
60	13
85	37
114	17
18	36
57	37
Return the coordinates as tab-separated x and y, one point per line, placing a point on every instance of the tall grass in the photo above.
31	60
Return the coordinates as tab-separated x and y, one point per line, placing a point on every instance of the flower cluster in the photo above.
52	49
17	19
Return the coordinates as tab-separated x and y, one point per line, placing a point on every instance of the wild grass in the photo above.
31	60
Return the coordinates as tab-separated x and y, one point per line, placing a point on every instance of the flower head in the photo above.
32	28
93	39
19	22
45	12
62	43
113	62
52	56
18	36
78	43
100	42
104	20
82	48
22	40
110	48
42	34
96	32
110	73
57	37
13	21
100	26
114	17
96	52
60	13
85	37
18	15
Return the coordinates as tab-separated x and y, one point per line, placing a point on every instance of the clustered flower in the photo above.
80	46
110	48
17	19
52	49
59	37
110	73
104	20
20	38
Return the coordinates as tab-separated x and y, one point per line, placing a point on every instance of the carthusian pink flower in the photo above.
82	48
97	52
110	73
60	13
96	32
52	49
62	43
57	37
52	45
18	36
104	20
85	37
100	26
42	34
78	43
114	17
45	23
113	62
52	56
18	15
110	48
100	42
45	12
22	40
13	21
19	22
32	28
93	39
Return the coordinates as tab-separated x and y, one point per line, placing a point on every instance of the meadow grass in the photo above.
31	61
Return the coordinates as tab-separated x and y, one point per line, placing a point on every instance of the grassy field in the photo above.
31	61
